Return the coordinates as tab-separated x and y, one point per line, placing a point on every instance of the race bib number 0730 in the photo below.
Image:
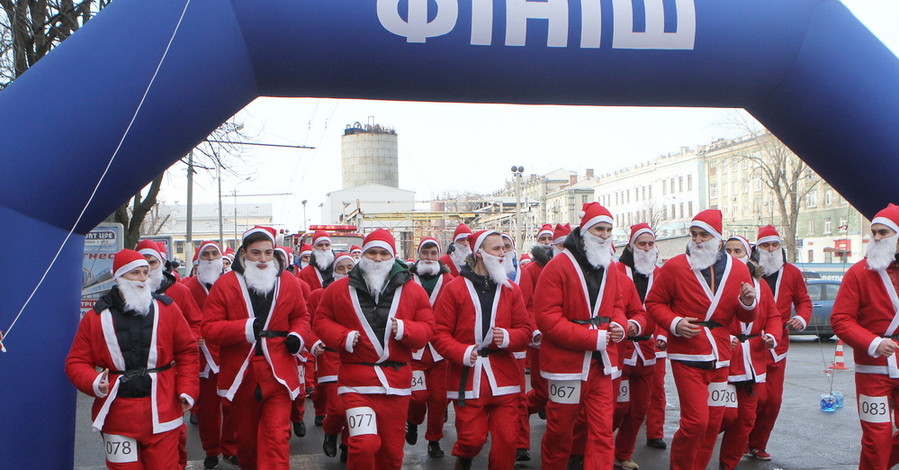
566	392
361	420
873	409
120	449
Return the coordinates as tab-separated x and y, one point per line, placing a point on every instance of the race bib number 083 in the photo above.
873	409
361	420
120	449
567	392
418	380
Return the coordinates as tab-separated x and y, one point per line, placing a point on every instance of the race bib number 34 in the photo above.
873	409
418	380
119	449
361	420
565	391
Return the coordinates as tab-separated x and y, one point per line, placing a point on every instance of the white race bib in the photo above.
624	391
873	409
418	380
567	392
120	449
718	394
730	396
361	420
301	369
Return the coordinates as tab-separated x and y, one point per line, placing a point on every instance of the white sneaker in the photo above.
627	464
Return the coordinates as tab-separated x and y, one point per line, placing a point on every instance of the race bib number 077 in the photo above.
566	392
873	409
119	449
361	420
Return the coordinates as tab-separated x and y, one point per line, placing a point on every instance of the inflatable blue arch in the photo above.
807	69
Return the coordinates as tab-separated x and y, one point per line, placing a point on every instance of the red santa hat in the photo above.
202	248
767	234
593	213
640	229
355	249
287	253
341	256
305	249
477	238
125	261
269	232
525	259
229	253
149	247
320	236
462	231
742	240
889	216
710	221
546	229
379	238
509	237
560	233
428	241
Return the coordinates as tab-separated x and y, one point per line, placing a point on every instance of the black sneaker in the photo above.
343	452
434	450
576	462
299	429
193	420
542	414
211	461
233	460
319	420
329	447
656	444
309	392
462	463
522	455
411	434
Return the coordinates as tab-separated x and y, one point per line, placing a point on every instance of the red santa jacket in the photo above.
522	278
209	353
749	359
184	299
533	271
679	291
460	331
641	352
448	261
867	309
96	346
228	322
327	364
339	317
562	296
312	277
427	356
790	291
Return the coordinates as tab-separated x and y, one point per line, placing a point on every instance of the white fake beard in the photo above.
744	259
154	280
208	271
303	264
645	261
599	250
703	255
375	274
427	267
261	281
496	268
771	261
137	295
338	277
226	269
509	262
323	259
557	249
458	256
881	253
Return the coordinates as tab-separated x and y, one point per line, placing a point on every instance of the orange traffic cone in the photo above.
838	362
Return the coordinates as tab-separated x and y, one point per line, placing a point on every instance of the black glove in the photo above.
293	344
257	328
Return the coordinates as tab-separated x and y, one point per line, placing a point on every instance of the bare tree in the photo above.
155	221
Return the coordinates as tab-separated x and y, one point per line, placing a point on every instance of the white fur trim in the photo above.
706	227
466	360
885	221
480	240
872	348
319	240
548	232
640	232
400	330
248	330
769	239
601	342
560	240
505	342
637	324
599	218
97	391
189	399
128	267
256	230
378	244
302	343
349	340
152	252
461	235
801	320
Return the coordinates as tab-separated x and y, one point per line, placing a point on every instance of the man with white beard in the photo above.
376	317
147	362
541	253
866	316
481	321
256	315
460	250
428	367
320	271
790	295
696	297
579	311
304	256
560	234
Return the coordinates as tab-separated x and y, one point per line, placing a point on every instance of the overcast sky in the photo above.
461	147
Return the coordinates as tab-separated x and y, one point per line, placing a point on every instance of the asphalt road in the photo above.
804	438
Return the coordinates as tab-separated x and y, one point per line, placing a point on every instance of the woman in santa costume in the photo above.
455	257
791	295
428	366
256	315
746	376
866	317
481	322
579	312
148	361
375	317
695	297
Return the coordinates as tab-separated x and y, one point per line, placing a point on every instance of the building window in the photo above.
672	186
811	227
724	189
650	191
585	199
828	197
664	212
682	210
828	225
713	189
844	225
690	208
828	257
745	186
673	212
757	184
723	168
664	188
689	182
680	184
811	199
811	256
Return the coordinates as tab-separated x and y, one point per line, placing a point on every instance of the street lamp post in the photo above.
304	215
516	174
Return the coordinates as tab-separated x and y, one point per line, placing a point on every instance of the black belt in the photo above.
273	334
463	378
392	364
595	321
892	337
639	338
484	352
744	338
329	349
708	324
127	375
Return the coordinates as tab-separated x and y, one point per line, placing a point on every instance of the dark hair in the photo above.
237	264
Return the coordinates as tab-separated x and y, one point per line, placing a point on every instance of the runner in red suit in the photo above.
455	258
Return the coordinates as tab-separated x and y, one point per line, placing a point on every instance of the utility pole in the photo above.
188	237
218	175
519	234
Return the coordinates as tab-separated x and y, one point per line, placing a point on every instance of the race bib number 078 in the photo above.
873	409
567	392
361	420
119	449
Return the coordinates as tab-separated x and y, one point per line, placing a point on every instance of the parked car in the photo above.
822	293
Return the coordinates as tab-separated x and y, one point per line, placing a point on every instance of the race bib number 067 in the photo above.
566	392
361	420
873	409
119	449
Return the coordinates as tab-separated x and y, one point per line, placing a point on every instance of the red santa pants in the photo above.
536	396
384	450
431	401
298	406
523	441
497	415
133	417
880	445
655	414
694	441
335	412
263	427
214	423
769	404
640	381
736	425
596	402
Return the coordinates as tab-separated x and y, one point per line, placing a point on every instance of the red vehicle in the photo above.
342	237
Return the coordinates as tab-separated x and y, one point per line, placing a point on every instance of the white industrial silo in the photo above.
369	156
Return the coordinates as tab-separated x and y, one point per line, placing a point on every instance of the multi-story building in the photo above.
233	220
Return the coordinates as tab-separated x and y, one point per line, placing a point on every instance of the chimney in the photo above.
589	173
572	180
